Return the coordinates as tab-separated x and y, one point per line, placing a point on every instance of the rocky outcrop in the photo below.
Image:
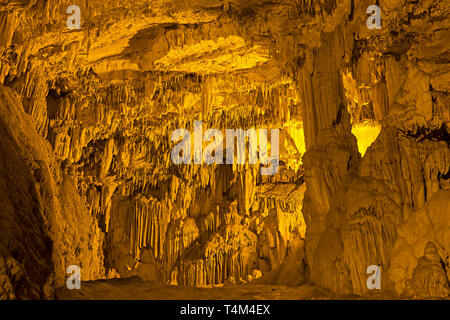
357	210
46	225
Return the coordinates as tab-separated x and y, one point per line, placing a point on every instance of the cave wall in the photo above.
358	210
98	106
45	224
104	101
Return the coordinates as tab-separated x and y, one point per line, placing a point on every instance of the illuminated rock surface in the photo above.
87	177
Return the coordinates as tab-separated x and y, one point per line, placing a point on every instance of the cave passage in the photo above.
228	149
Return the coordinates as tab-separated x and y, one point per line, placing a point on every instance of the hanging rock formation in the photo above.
87	116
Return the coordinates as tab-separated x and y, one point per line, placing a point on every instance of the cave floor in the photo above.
137	289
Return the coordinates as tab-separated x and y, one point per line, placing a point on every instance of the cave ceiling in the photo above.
87	115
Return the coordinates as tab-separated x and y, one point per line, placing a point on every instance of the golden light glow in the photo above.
365	134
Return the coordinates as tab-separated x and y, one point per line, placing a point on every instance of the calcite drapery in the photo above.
91	112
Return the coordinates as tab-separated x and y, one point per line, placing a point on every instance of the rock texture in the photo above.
46	226
363	212
87	115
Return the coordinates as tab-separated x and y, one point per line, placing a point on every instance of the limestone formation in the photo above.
87	115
